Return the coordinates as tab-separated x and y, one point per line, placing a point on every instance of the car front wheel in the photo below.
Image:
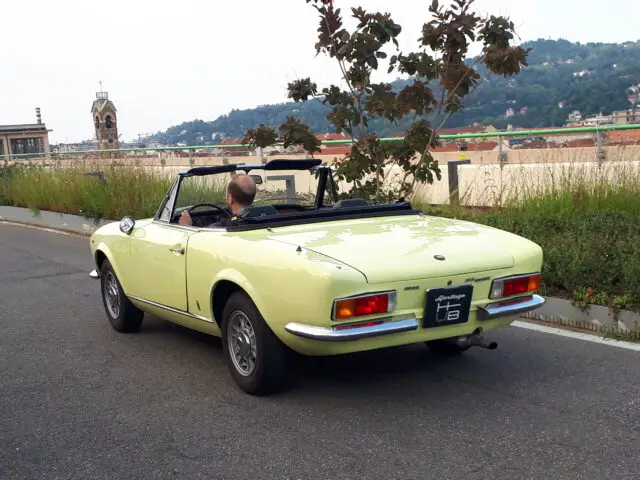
124	316
254	355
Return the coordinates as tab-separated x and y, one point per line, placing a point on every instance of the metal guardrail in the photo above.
497	134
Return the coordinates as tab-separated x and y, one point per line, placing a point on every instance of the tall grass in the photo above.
135	191
587	220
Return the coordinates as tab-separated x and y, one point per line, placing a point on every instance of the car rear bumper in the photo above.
511	308
327	334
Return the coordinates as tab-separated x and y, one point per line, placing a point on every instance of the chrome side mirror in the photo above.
127	224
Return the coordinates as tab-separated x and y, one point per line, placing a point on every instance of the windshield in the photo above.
293	187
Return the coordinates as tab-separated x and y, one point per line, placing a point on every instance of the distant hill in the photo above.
561	77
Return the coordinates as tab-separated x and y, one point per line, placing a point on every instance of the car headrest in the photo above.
257	211
350	203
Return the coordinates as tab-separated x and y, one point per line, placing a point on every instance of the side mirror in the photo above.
257	179
127	224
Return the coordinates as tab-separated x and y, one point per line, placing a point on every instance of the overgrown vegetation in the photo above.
120	191
589	229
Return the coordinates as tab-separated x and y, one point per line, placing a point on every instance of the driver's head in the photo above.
240	192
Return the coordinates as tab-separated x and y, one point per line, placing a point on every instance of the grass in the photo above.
587	221
126	191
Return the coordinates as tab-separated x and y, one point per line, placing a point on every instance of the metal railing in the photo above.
499	134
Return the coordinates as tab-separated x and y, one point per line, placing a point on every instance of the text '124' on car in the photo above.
308	273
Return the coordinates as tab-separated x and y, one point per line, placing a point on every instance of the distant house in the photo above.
236	151
626	117
472	129
23	139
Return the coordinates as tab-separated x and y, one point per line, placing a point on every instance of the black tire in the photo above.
125	317
446	347
270	355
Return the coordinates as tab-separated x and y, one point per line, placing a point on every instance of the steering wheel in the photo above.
206	204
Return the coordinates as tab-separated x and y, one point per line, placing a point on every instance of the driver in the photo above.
240	194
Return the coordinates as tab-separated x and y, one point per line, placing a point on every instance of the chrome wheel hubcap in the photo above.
241	339
111	295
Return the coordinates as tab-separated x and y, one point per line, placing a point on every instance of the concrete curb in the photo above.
595	318
58	221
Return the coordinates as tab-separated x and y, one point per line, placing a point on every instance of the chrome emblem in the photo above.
439	257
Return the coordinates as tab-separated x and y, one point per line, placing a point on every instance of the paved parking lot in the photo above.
80	401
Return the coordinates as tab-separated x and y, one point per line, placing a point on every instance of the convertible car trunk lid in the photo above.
403	248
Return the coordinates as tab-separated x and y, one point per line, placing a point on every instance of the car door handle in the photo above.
177	250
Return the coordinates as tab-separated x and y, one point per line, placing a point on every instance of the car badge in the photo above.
439	257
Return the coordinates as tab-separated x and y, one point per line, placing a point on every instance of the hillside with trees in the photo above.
561	77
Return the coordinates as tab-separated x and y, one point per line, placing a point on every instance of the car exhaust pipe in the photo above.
476	340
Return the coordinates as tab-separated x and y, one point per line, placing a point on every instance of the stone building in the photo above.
26	139
105	121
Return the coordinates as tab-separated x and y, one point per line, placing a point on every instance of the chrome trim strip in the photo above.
326	334
495	310
94	274
171	309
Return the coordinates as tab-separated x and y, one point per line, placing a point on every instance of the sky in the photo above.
164	62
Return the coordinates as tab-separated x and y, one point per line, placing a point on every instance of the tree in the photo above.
292	132
441	78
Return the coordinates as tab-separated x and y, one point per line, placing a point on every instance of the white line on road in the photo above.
577	335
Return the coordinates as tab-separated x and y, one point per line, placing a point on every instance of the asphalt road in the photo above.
80	401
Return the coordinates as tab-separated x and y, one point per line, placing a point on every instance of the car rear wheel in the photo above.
124	316
255	356
446	347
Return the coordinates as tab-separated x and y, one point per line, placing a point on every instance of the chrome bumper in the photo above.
94	274
510	308
389	325
327	334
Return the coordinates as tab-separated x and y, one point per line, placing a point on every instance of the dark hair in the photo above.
242	189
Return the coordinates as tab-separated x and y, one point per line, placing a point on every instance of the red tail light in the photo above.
360	306
508	287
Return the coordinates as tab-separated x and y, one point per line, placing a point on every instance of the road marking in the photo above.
577	335
44	229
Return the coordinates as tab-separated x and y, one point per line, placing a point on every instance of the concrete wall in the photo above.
482	183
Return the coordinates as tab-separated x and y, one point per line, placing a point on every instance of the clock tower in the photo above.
105	121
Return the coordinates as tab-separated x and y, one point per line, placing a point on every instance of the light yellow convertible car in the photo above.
310	273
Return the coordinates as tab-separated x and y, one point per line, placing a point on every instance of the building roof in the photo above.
624	137
335	150
461	130
31	127
332	136
101	103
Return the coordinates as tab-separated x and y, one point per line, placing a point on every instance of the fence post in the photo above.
600	153
290	182
454	195
502	155
5	181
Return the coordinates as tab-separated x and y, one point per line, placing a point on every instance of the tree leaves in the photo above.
301	90
294	132
449	34
260	137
